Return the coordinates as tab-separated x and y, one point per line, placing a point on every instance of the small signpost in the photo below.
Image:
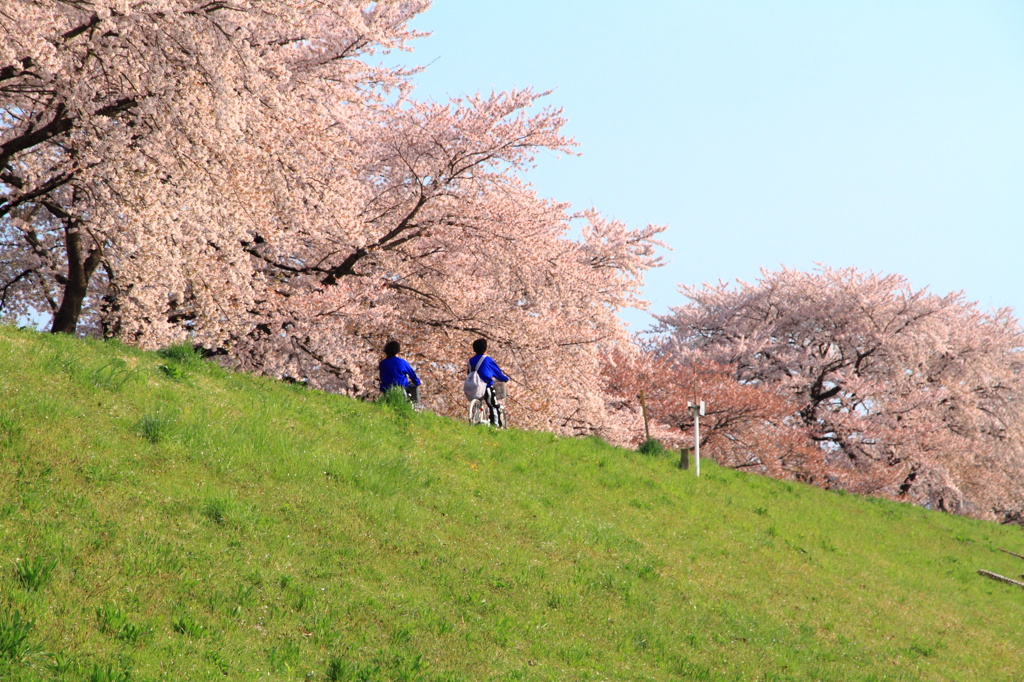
698	411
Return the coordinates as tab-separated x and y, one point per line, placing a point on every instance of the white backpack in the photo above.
475	387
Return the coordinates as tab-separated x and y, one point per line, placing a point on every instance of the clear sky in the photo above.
887	135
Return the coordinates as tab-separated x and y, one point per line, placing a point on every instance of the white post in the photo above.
698	410
696	439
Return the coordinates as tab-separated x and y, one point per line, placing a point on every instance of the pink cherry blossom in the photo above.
239	174
908	394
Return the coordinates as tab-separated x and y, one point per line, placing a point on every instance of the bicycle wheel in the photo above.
477	411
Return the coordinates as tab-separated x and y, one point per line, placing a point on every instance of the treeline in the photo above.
846	380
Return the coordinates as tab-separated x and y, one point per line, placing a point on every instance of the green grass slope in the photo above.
161	519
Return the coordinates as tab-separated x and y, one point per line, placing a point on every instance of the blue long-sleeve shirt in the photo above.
489	370
395	371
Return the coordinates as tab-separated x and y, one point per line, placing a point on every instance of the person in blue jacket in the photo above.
489	372
395	371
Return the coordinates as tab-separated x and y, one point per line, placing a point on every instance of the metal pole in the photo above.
698	410
696	437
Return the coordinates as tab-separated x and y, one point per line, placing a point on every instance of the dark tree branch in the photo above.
347	266
58	125
42	190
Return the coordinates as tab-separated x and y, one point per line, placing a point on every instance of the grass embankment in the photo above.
163	519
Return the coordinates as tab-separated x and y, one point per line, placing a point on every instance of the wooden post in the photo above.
1001	578
643	408
684	458
1010	553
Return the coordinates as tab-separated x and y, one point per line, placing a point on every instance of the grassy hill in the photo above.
163	519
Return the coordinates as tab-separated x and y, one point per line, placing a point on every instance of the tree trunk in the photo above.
80	270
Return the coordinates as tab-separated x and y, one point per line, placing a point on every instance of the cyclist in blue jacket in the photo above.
395	371
489	372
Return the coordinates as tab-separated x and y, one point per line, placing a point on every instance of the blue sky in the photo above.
884	135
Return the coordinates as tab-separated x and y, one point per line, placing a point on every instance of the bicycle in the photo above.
481	411
412	391
397	394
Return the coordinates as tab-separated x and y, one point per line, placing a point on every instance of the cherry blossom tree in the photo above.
237	174
127	123
452	245
908	394
745	426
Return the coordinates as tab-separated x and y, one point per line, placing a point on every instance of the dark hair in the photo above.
392	348
480	346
